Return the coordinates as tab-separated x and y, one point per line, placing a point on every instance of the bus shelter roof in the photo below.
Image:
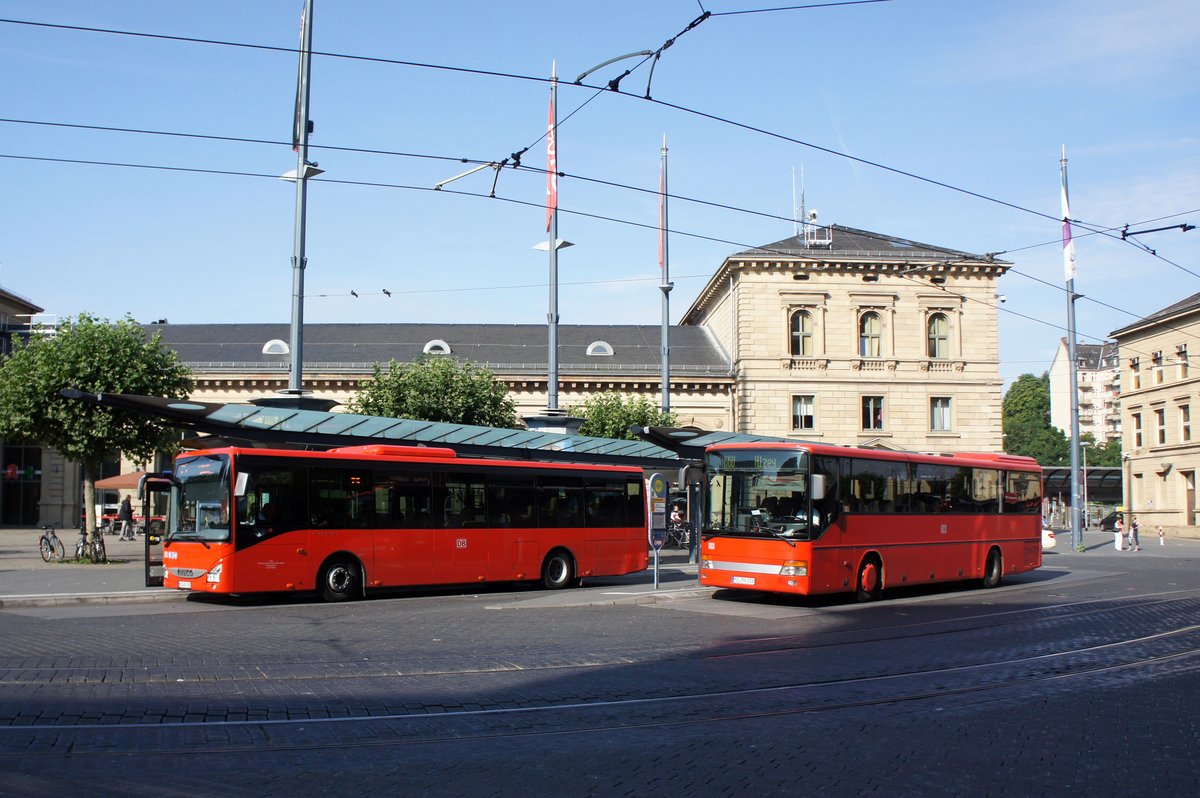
243	424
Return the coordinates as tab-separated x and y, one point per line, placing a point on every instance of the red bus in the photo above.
812	518
348	520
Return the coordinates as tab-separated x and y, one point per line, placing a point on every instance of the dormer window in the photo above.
600	349
276	347
437	347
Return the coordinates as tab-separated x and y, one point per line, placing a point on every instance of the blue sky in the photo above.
980	96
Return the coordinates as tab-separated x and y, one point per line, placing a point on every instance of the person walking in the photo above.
1135	544
125	516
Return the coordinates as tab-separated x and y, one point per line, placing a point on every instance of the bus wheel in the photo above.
870	583
993	572
558	571
339	580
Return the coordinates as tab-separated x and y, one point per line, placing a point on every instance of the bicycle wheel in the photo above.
98	553
59	550
44	548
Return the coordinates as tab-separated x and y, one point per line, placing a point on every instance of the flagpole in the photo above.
552	229
1069	272
299	261
664	263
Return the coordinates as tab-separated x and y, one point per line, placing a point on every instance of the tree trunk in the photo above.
89	499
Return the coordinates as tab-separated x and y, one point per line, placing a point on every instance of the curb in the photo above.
70	599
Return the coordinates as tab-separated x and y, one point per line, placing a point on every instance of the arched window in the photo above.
802	334
437	347
600	349
870	335
939	336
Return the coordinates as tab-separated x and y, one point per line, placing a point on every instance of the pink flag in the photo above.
1068	242
662	208
551	165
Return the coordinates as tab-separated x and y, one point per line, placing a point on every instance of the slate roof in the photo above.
503	348
849	242
1182	306
1096	356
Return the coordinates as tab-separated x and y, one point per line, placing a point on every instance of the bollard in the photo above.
1161	538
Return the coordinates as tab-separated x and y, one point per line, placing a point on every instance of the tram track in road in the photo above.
103	671
1145	656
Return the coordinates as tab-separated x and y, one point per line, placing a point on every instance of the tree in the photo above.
1027	428
1106	456
610	415
97	356
437	388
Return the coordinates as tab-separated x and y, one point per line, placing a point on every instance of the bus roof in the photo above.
983	459
409	454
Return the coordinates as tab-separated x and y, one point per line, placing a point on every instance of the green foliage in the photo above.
98	356
437	388
610	415
1106	456
1027	429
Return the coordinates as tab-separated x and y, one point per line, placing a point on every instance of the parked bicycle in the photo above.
93	551
50	546
677	535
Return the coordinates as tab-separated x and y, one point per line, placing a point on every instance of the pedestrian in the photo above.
1119	535
1135	544
125	516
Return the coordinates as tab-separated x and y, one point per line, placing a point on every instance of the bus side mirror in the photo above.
817	488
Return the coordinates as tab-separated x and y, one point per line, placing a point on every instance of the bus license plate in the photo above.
741	580
185	585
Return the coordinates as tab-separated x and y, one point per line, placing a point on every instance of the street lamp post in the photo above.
1083	447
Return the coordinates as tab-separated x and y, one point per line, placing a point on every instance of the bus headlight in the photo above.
214	575
706	564
794	568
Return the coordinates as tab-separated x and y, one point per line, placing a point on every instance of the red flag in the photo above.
551	164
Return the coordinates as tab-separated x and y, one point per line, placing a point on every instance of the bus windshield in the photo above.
200	499
759	493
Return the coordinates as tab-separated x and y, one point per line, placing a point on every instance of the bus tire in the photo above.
993	571
558	571
869	586
340	579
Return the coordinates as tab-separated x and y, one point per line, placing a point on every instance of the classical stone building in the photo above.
837	335
852	337
1160	396
1098	380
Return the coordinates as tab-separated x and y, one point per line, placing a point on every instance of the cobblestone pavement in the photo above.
1082	677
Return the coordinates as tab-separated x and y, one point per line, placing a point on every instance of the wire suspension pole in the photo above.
1069	268
299	261
664	262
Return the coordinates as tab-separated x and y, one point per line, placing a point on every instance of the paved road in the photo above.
1081	677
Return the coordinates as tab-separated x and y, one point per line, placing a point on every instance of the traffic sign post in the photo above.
657	522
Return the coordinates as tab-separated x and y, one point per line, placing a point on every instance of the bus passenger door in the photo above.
403	530
461	544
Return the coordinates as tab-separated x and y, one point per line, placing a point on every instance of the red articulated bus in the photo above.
347	520
812	518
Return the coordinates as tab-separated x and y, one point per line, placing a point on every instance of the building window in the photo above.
939	414
599	349
1181	356
870	335
1160	422
1135	374
939	336
436	347
802	334
872	412
804	412
1157	361
1137	430
1185	422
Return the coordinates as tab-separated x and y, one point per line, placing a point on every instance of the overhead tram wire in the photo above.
600	89
527	203
568	175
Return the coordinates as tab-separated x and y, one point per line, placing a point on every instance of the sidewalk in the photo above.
27	581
